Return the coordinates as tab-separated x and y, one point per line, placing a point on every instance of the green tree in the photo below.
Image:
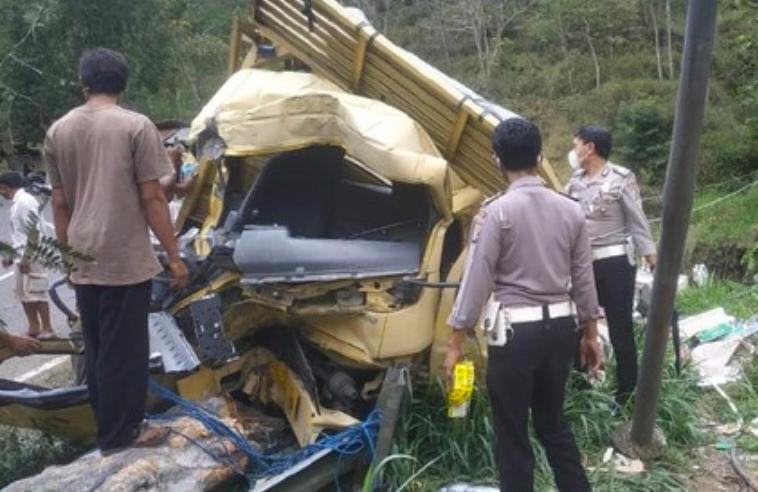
176	51
643	135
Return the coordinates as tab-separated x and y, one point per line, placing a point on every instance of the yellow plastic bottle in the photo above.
461	389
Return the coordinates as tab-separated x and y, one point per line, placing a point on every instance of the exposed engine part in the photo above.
339	389
406	293
208	326
285	344
338	386
350	298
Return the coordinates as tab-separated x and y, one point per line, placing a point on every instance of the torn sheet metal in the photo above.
208	325
168	340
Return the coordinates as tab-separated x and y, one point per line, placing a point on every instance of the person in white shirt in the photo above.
31	277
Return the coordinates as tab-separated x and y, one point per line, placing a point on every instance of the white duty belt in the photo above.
604	252
497	319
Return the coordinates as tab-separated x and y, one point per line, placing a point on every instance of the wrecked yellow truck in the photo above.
325	233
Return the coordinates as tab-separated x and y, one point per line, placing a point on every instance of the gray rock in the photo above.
178	465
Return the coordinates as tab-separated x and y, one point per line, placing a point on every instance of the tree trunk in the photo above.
592	52
654	18
439	23
478	32
669	50
564	48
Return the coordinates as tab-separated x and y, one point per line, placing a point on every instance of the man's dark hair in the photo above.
170	125
598	136
517	143
103	71
12	179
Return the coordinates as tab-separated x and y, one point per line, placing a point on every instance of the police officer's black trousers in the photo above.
116	344
530	372
614	278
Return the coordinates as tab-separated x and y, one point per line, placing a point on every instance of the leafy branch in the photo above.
48	251
45	250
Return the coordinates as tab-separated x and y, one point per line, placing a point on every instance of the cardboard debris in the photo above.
627	465
716	336
692	325
728	429
712	362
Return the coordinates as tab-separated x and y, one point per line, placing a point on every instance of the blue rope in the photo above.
350	441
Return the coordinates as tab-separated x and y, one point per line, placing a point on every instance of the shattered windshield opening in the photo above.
314	214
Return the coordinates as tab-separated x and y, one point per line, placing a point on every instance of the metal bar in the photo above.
677	208
315	473
59	346
455	135
360	60
234	45
395	387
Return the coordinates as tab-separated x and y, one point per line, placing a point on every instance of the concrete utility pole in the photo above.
677	208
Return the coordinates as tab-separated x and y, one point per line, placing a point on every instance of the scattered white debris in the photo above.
624	464
645	277
716	336
608	455
712	362
754	427
467	487
700	274
692	325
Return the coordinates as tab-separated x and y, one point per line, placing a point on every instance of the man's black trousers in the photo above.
114	322
614	278
530	372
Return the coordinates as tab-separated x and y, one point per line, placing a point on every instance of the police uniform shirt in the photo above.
611	202
531	247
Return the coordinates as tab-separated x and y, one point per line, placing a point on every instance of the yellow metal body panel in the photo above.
75	422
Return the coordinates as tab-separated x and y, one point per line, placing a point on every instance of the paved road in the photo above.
12	312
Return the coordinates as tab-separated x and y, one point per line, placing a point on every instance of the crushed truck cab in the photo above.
326	226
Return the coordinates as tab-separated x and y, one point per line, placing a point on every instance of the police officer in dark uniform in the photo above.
530	249
619	231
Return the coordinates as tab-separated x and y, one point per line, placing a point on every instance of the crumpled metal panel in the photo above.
168	340
267	254
212	344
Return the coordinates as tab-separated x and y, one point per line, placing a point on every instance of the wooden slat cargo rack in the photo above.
339	44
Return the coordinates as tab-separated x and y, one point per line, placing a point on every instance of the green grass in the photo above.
734	220
737	299
462	448
28	452
725	234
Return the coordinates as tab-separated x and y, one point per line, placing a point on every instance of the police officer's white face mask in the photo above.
573	159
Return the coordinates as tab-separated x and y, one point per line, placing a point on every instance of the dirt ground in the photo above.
712	472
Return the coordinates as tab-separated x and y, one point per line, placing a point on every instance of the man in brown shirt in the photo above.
104	163
531	249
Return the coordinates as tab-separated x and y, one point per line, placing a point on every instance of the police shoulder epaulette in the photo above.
619	169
